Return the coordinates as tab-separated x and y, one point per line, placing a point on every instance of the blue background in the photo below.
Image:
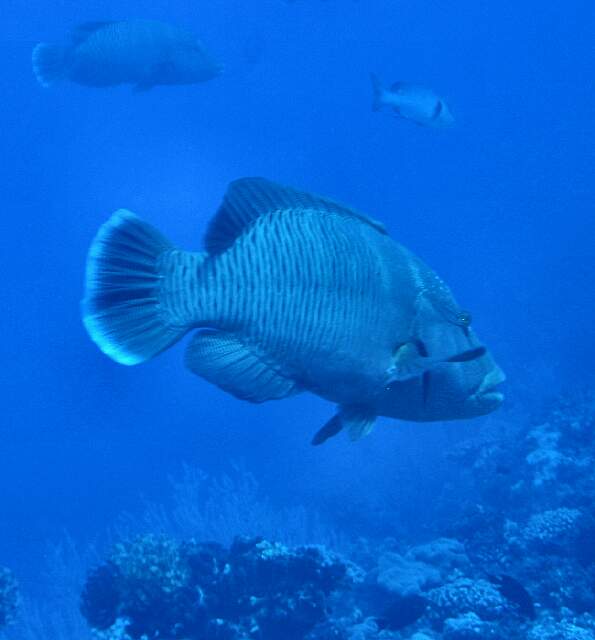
501	206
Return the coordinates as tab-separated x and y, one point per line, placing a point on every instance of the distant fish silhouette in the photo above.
514	592
143	53
413	102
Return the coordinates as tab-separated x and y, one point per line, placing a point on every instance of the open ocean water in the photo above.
144	502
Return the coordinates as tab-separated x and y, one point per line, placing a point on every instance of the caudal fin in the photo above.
378	92
123	308
49	63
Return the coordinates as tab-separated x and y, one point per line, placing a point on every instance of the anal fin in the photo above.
237	367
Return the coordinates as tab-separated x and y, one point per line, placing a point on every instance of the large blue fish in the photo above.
294	292
143	53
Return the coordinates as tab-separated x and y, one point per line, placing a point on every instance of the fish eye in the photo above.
464	318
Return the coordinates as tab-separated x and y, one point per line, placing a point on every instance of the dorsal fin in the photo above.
82	31
249	198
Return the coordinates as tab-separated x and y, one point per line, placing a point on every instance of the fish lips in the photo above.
487	397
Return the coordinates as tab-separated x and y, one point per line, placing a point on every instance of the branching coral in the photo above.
550	629
552	527
467	626
466	595
225	507
9	597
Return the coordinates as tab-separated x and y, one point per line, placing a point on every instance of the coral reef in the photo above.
519	562
9	597
405	576
153	587
513	559
157	587
221	508
533	516
465	595
53	612
568	628
468	626
553	528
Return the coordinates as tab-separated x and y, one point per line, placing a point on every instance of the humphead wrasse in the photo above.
294	292
144	53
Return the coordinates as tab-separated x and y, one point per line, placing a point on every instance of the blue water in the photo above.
501	206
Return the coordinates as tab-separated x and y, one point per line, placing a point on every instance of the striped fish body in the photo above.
120	52
139	52
294	292
324	297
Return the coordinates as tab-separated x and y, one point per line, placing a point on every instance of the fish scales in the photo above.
294	292
289	266
144	53
251	283
181	292
128	47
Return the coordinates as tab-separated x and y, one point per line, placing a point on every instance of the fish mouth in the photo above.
487	392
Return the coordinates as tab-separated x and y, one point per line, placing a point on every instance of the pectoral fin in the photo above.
358	421
409	363
237	367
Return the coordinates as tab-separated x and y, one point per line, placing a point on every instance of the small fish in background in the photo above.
144	53
412	102
514	592
294	292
